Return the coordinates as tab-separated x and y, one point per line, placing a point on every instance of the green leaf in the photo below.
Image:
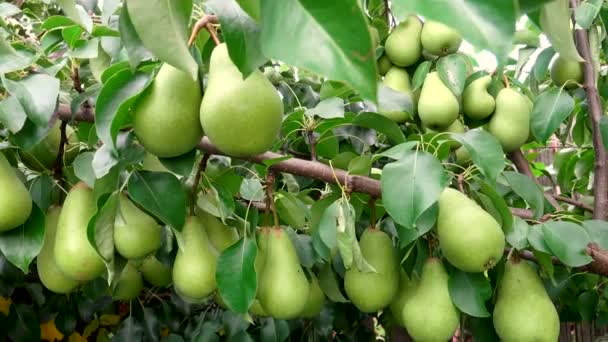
77	13
555	22
329	285
7	9
453	72
22	244
586	12
274	330
57	21
420	75
348	246
469	291
129	330
397	152
161	194
537	240
498	202
568	241
12	114
485	151
303	246
390	100
517	235
30	135
525	188
182	164
291	210
411	185
598	232
330	108
328	225
381	124
251	189
41	190
539	70
545	260
37	94
100	230
486	24
316	44
242	35
603	130
162	26
12	59
235	274
551	108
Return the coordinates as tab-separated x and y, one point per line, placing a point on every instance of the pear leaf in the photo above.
22	244
235	274
37	94
555	21
12	58
485	151
136	50
329	285
381	124
568	241
469	291
453	72
420	75
598	232
525	188
517	234
586	12
551	108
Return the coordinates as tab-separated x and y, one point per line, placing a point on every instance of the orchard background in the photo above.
358	122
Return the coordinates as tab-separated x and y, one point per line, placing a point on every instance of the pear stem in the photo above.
312	141
202	165
205	22
270	177
372	212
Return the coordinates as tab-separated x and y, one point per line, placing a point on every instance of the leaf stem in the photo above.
270	178
205	22
202	165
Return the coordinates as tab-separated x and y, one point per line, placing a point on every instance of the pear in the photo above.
136	234
257	309
439	39
15	200
407	287
566	71
377	249
510	123
195	263
74	254
42	156
477	103
316	299
155	272
526	37
129	283
429	314
456	127
384	64
50	275
244	127
437	106
469	237
523	310
283	289
463	157
397	79
403	46
165	117
220	235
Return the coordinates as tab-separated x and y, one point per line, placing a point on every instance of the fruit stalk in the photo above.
205	22
270	198
202	165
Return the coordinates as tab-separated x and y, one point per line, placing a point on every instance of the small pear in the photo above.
165	117
220	235
384	64
316	299
377	249
407	287
129	283
244	127
257	309
477	103
566	71
469	237
429	314
136	234
50	275
43	155
283	289
15	200
523	310
74	254
155	272
397	79
195	263
510	123
437	106
402	45
439	39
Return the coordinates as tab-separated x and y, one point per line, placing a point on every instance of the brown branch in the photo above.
600	179
387	13
312	141
574	203
270	197
197	179
523	167
205	22
599	265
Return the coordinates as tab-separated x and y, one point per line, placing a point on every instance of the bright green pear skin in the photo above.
195	263
439	39
407	287
220	235
477	103
384	64
469	237
403	46
510	123
15	200
397	79
372	291
523	310
283	288
429	314
74	254
136	234
165	117
437	106
244	127
129	283
316	299
155	272
42	156
564	70
50	275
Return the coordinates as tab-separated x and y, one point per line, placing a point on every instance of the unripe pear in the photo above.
316	299
403	46
510	123
136	234
566	71
129	283
477	103
384	64
155	272
15	200
43	155
397	79
220	235
437	106
407	287
439	39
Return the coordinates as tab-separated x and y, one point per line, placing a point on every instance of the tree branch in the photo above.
206	22
574	203
523	167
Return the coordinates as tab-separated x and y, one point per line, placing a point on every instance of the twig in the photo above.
197	179
523	167
270	198
574	203
312	141
372	212
387	12
461	183
206	22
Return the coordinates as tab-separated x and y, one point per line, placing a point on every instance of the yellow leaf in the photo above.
5	305
90	328
76	337
49	332
109	319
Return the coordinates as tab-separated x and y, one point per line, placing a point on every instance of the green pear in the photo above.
407	287
220	235
566	71
165	116
15	200
251	7
523	310
50	275
510	123
429	314
397	79
244	127
129	283
316	299
384	64
283	289
526	37
463	157
437	106
195	263
469	237
155	272
136	234
372	291
402	45
74	254
42	156
477	103
257	309
439	39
